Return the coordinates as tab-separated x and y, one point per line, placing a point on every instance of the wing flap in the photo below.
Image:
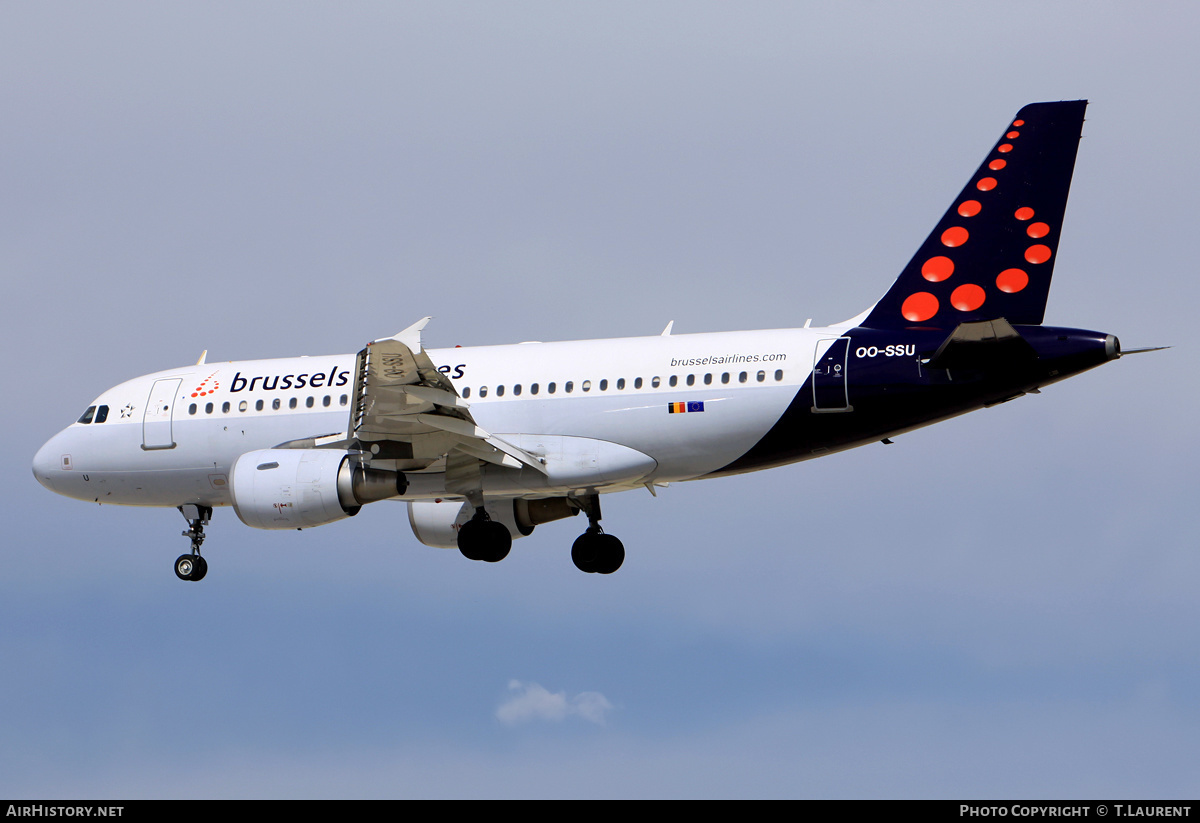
401	397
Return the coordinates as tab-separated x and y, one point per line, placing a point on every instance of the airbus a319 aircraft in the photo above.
486	443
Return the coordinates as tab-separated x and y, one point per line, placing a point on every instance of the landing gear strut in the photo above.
594	551
482	538
192	566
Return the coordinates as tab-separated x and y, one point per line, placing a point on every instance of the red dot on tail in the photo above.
986	184
968	297
1018	123
1013	135
937	269
1038	230
1037	254
969	208
997	164
919	307
1011	281
954	236
1023	213
1004	148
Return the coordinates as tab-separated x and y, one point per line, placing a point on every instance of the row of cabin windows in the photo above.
100	414
655	382
276	404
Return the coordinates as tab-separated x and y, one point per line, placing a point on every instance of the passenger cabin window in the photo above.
762	375
483	391
500	391
637	382
326	400
192	409
708	379
243	406
343	400
208	408
778	374
655	382
674	381
258	406
620	383
308	401
550	388
517	389
225	407
86	417
725	377
569	387
466	394
292	403
603	385
742	377
275	404
533	388
586	385
691	380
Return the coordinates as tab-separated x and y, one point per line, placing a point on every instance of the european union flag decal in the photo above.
683	408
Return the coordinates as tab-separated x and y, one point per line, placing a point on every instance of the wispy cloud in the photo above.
530	701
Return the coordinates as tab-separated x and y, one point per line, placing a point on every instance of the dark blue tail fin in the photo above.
992	253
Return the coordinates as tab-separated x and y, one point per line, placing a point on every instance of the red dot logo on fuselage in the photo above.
204	388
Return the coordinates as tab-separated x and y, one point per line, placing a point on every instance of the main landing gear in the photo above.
594	551
482	538
192	566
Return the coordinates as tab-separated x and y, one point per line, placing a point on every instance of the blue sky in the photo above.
1000	605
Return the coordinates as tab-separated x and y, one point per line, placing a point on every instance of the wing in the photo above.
405	410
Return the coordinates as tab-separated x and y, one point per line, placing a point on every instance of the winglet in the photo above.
411	336
667	331
203	355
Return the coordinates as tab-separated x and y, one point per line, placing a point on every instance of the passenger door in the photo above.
156	423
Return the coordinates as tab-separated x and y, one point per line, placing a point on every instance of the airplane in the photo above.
486	443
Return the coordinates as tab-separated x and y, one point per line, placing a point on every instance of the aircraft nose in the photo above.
45	463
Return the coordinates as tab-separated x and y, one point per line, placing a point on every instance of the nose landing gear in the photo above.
193	567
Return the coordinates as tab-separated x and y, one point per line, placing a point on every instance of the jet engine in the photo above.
436	522
299	488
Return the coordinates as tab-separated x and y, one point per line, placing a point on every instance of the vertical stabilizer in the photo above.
992	253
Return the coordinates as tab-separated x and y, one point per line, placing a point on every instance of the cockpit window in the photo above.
87	415
101	414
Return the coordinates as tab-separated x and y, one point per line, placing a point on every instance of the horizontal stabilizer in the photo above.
984	344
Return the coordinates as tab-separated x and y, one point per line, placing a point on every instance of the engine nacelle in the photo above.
299	488
436	522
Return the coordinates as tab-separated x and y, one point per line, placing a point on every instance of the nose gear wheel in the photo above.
192	567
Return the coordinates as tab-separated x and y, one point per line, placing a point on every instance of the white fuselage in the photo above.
171	438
